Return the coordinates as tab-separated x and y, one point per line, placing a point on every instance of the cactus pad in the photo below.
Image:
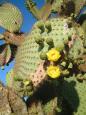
67	7
9	78
10	17
74	92
28	55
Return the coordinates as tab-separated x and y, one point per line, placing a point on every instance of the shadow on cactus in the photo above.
49	92
50	61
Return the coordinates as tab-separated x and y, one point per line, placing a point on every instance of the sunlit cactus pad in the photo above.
57	33
9	77
10	17
67	6
56	5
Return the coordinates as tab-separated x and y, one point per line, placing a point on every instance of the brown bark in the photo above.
12	38
11	103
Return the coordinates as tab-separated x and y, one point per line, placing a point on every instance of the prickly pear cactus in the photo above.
10	17
31	62
67	7
48	57
63	7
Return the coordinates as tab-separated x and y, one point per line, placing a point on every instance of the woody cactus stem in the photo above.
10	102
8	50
12	38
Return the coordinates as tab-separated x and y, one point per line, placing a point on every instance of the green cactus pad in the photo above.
67	6
10	17
75	94
9	76
28	63
77	49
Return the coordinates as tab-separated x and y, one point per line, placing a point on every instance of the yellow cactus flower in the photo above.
53	55
53	71
26	82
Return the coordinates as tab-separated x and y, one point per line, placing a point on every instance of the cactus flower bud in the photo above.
43	55
49	41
